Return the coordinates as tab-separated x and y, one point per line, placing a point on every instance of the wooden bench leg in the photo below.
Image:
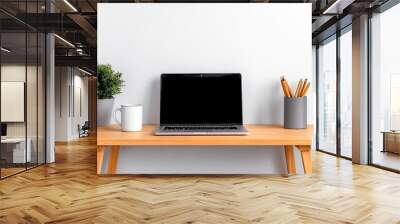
112	163
305	151
100	157
290	160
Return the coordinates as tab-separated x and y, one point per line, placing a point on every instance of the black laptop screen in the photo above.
201	99
3	129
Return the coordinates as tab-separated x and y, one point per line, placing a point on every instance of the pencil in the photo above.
283	88
304	93
299	84
289	89
303	87
286	87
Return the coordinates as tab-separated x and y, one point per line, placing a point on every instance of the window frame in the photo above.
381	9
334	37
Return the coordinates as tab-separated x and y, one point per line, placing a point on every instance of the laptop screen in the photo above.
201	99
3	129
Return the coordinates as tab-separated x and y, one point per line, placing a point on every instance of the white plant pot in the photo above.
104	111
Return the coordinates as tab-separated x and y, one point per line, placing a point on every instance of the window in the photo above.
394	102
385	89
346	93
335	74
327	96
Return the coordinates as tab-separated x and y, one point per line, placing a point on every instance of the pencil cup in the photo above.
295	112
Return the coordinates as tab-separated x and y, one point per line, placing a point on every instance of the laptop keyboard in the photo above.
200	128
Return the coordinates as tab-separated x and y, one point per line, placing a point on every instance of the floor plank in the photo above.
69	191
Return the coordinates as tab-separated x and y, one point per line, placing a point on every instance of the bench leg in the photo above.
100	157
305	151
112	163
290	160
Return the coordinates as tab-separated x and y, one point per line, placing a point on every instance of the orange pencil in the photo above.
304	93
285	91
289	89
299	85
304	86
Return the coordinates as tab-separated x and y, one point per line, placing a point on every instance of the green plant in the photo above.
109	82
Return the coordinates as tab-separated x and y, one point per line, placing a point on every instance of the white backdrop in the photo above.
12	101
261	41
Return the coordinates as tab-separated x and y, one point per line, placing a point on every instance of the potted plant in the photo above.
109	84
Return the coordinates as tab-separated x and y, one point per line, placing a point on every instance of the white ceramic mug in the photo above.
131	117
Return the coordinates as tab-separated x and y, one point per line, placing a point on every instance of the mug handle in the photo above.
115	116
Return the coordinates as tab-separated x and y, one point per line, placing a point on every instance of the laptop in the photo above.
201	104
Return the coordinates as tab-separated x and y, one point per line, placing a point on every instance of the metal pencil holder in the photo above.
295	112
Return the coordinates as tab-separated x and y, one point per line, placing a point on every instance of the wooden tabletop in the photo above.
258	135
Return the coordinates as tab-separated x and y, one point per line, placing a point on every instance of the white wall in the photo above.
61	104
258	40
81	103
13	101
68	81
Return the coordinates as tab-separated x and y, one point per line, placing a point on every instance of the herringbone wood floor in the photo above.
69	191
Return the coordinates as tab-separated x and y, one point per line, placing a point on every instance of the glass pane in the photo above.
13	87
327	97
346	93
386	89
41	98
32	99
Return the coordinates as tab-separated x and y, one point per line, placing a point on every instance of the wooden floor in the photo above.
5	172
69	191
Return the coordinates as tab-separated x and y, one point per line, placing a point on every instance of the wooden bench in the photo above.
259	135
